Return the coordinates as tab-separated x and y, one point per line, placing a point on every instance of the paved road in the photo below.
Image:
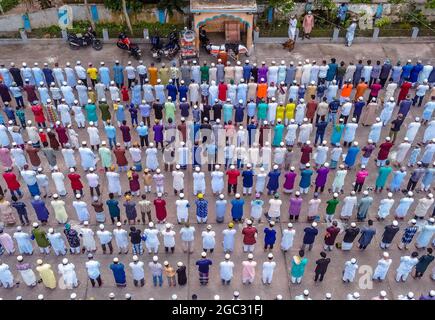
280	285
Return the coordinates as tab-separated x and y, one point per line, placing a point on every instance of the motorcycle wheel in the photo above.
97	45
73	46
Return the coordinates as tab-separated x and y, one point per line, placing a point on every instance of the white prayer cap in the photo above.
181	195
306	292
151	224
203	254
209	227
410	193
257	298
19	228
118	224
430	195
279	297
20	258
197	169
111	295
353	224
216	297
35	225
386	255
270	255
365	193
356	295
40	297
431	220
19	298
115	260
236	293
410	295
413	221
155	258
383	293
179	264
314	224
432	293
86	223
174	297
51	230
290	225
328	296
135	258
250	256
275	167
221	196
64	261
101	226
248	221
353	260
73	296
395	223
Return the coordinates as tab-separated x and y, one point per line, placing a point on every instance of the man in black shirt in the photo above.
349	236
158	110
320	132
395	127
321	267
136	240
217	110
205	112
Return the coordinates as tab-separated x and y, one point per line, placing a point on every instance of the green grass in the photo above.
8	4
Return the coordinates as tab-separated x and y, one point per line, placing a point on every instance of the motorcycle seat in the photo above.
79	35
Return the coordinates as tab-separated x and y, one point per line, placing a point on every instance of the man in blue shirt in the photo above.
332	70
310	234
110	133
252	128
142	131
320	132
237	208
247	71
182	90
269	236
334	105
358	107
204	268
248	179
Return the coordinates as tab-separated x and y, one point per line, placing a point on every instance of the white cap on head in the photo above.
250	256
383	293
353	260
386	254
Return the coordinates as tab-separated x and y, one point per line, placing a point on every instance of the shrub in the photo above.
382	22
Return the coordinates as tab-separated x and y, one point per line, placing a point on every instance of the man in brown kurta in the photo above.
32	153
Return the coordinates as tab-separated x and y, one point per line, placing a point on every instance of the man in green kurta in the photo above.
262	111
383	174
40	236
105	155
91	112
278	131
363	206
169	109
204	72
104	108
163	74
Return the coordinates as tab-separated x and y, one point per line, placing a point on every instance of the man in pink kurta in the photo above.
5	157
308	24
6	242
248	271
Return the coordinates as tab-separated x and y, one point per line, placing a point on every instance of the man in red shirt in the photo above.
232	174
76	184
38	113
249	237
306	150
12	182
374	90
404	89
222	91
384	150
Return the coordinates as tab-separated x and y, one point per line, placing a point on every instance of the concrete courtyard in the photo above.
48	52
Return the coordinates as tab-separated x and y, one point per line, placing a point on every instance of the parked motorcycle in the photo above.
169	50
204	40
75	41
124	43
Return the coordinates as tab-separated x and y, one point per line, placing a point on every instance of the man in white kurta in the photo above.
87	235
226	270
268	269
168	238
425	234
291	133
24	241
208	239
217	180
81	209
385	206
56	242
68	273
382	267
404	205
113	182
402	150
321	153
375	131
94	135
274	211
349	204
87	157
59	181
178	179
6	277
407	263
350	268
229	237
412	130
152	241
198	181
288	236
121	238
305	131
306	72
272	73
423	206
68	156
340	175
350	131
182	208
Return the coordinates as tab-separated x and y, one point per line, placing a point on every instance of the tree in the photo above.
285	6
171	6
127	17
125	6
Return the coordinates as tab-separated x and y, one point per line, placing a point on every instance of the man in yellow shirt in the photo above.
92	73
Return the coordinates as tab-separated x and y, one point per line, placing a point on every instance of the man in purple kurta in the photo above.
295	206
158	134
262	73
40	209
289	182
322	175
